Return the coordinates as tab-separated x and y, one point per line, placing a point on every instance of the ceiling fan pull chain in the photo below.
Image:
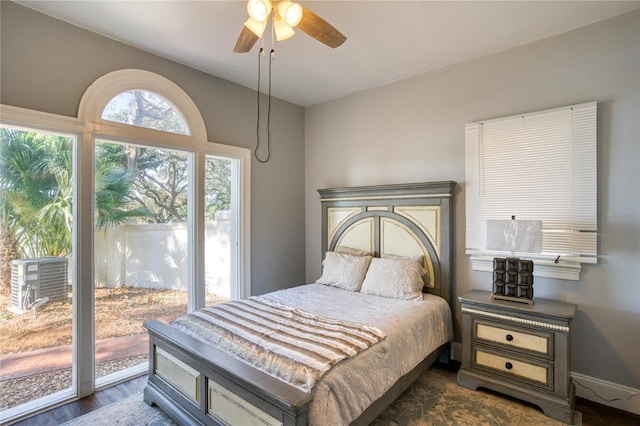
272	57
261	54
255	152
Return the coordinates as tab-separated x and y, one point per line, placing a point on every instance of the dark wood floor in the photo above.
593	414
82	406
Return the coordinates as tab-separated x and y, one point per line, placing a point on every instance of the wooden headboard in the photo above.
403	219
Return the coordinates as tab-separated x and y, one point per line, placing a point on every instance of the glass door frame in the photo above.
49	123
122	133
194	203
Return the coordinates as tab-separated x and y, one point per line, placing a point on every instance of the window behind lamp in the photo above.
539	166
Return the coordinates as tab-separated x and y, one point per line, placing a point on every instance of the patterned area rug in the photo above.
434	399
131	411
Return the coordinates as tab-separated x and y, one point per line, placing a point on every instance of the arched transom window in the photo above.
144	108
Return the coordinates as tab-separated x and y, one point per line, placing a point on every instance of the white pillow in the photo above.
353	251
395	278
418	258
344	270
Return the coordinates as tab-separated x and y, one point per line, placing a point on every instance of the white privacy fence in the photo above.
155	256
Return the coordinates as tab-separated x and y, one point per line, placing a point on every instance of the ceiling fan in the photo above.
285	15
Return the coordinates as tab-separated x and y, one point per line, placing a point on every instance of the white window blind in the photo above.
539	166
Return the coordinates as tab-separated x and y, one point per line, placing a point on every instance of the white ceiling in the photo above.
386	40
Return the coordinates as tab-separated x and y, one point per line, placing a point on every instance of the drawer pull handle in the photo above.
509	337
508	366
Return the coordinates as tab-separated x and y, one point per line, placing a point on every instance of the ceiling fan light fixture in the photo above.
259	10
285	15
256	27
283	30
290	12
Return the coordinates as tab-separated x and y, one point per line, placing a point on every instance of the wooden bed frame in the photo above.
195	383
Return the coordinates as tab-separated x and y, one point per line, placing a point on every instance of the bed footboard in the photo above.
195	383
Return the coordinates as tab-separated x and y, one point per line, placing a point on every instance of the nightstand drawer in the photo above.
539	374
537	343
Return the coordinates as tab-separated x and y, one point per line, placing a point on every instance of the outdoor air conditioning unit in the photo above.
33	279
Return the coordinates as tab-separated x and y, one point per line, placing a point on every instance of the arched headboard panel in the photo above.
411	220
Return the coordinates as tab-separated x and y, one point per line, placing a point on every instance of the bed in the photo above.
375	320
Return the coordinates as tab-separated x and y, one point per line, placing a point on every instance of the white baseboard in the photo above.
606	393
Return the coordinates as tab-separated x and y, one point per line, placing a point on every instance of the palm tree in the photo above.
24	189
112	187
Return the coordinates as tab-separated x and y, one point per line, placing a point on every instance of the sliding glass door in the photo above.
142	251
36	300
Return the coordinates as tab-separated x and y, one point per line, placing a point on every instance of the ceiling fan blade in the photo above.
245	41
320	29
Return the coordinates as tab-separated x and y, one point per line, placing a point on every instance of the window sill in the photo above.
541	268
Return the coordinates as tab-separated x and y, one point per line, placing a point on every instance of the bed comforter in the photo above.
410	330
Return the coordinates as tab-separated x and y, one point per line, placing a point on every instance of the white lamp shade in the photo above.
256	27
283	31
259	10
290	12
523	236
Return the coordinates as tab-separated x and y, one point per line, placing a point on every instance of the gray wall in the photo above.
413	130
46	65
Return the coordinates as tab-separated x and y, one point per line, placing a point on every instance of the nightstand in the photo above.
520	350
